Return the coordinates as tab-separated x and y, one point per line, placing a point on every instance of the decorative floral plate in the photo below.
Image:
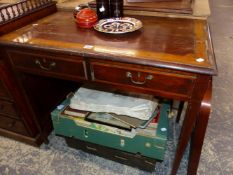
118	25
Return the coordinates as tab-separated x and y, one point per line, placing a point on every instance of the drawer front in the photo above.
135	160
3	91
12	125
7	108
155	80
59	66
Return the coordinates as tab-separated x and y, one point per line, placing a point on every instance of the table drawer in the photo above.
12	125
70	67
8	109
159	81
3	91
135	160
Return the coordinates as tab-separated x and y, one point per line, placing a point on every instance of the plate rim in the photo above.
118	19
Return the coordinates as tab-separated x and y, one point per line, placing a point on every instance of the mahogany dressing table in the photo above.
170	58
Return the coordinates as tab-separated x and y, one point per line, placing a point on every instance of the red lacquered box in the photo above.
86	18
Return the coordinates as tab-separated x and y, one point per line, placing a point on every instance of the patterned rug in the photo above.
57	158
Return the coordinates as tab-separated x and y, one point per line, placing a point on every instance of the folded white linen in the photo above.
138	106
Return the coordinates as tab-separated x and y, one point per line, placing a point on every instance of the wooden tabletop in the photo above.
181	44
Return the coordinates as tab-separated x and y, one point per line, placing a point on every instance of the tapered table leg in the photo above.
199	133
185	134
191	124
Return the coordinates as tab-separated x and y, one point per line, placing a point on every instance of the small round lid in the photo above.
86	15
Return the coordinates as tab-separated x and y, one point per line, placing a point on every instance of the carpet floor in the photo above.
216	158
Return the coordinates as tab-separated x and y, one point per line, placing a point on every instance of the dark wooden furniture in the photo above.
168	57
9	114
16	15
143	1
167	6
18	120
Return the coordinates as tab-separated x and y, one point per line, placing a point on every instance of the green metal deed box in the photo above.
153	147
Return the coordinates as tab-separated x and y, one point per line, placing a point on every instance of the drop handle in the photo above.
91	148
47	67
121	158
148	77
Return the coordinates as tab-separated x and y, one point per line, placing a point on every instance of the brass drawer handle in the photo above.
151	163
148	77
91	148
121	158
49	67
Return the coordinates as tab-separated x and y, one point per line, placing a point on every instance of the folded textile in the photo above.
138	106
